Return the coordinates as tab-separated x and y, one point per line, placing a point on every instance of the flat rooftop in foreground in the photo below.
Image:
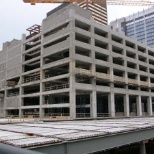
39	134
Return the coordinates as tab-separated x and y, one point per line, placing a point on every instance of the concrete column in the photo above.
149	106
126	105
93	105
142	148
72	104
41	111
111	105
72	92
21	113
5	113
21	102
111	75
139	106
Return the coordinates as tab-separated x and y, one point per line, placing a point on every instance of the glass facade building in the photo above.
138	26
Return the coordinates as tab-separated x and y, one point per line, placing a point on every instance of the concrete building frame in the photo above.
76	68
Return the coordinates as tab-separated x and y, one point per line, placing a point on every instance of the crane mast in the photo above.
109	2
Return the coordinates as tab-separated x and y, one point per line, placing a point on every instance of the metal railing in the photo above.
103	115
56	87
82	115
32	78
118	79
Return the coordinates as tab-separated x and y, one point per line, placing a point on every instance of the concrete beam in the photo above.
96	144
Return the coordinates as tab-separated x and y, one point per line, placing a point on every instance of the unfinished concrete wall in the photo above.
62	15
15	71
1	107
14	61
11	103
3	56
56	18
14	51
7	45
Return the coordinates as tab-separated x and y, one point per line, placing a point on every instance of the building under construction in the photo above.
72	67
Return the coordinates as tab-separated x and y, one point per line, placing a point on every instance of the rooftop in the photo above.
31	134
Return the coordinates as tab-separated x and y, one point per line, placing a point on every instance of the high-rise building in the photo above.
99	11
139	26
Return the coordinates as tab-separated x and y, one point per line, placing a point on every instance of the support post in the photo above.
149	106
142	148
41	111
72	92
126	105
139	107
93	104
111	105
72	104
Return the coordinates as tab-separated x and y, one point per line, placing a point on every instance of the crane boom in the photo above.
110	2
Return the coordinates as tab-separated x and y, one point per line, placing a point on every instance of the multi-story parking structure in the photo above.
73	67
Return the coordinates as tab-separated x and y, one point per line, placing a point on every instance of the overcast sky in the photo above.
16	16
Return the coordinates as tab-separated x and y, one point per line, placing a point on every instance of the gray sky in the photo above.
16	16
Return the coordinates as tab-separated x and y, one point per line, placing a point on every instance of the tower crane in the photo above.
109	2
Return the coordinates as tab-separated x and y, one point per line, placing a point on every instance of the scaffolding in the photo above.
84	72
132	82
119	79
144	84
102	76
33	30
